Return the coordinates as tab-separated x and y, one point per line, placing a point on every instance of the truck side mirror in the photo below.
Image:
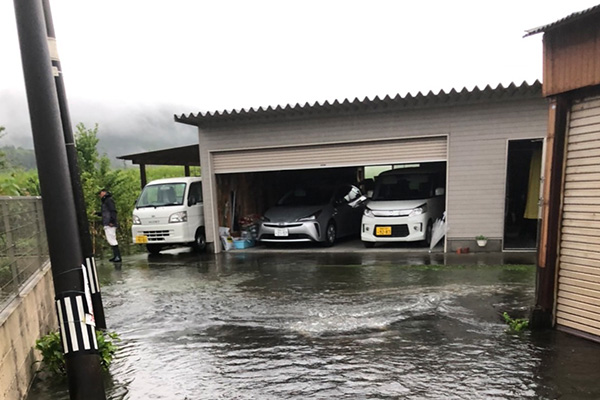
439	191
192	201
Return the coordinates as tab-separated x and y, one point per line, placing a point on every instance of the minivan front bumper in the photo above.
393	229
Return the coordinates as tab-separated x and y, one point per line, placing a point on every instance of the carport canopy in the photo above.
185	156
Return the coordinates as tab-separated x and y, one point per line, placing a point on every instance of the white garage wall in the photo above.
477	150
477	134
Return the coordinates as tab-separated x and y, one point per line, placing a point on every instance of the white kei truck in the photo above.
170	213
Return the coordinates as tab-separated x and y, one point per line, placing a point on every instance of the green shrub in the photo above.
53	360
516	324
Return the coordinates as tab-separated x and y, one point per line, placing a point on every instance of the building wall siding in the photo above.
477	163
477	136
572	56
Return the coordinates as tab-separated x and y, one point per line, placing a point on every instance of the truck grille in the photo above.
157	236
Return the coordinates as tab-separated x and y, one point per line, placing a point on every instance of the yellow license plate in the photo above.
383	231
141	239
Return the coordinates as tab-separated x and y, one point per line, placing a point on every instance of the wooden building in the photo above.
568	294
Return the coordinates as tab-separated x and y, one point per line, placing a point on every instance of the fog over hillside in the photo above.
122	128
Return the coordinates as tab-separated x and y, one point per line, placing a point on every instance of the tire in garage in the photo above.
428	234
330	234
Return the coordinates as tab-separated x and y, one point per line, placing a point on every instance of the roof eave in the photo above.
563	21
419	100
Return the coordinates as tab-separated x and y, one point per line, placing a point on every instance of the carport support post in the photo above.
87	248
84	373
143	179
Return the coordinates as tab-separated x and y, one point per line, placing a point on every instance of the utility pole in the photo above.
77	332
82	220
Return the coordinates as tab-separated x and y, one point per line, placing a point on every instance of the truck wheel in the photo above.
199	244
154	248
369	245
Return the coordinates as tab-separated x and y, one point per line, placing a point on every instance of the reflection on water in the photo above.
297	326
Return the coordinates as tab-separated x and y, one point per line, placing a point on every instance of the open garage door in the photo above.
578	300
331	155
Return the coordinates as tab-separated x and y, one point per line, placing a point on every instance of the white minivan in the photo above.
404	205
170	213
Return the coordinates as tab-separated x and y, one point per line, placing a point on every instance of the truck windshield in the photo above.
164	194
404	187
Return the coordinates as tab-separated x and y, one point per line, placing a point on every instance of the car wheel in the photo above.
154	248
428	234
330	234
369	245
199	244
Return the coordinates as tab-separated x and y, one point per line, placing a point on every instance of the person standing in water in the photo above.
110	223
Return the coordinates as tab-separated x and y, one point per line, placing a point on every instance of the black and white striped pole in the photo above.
82	220
84	373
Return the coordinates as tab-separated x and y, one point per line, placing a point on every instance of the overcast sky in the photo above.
129	65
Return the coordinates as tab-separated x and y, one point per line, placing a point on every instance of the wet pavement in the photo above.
298	324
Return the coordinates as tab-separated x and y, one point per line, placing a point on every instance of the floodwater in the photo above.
330	326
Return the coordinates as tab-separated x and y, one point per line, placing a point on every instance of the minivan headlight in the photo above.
422	209
178	217
136	220
369	213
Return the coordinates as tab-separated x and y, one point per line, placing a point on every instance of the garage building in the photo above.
491	140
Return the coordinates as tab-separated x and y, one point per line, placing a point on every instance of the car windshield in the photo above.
164	194
404	187
308	196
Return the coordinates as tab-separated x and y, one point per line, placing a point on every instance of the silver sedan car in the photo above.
313	214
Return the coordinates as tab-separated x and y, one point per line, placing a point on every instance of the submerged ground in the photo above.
304	324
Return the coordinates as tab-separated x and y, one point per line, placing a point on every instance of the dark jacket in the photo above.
109	211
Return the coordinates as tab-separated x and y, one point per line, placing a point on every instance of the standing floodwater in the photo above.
330	326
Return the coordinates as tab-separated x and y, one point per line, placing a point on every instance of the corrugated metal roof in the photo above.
185	155
568	19
376	104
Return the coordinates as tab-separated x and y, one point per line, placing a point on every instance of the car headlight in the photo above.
265	219
369	213
311	217
136	220
422	209
178	217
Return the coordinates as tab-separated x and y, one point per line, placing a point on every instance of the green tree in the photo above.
86	142
95	174
2	158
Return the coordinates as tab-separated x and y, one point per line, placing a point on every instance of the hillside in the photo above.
18	158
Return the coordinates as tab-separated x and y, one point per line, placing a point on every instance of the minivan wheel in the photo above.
330	234
199	244
428	234
154	248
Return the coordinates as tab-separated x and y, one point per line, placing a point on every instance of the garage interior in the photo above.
243	197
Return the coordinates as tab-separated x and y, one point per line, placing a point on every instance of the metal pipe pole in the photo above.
80	208
84	373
